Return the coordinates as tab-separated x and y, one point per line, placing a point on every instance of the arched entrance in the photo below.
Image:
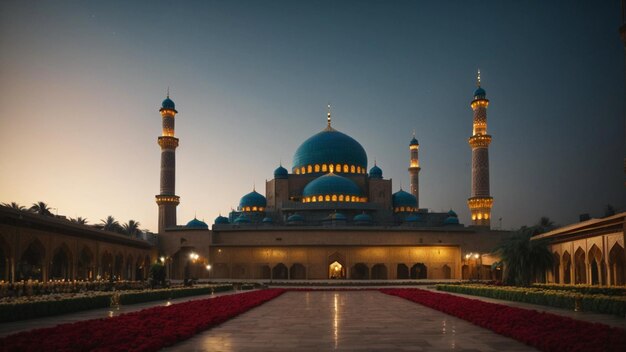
30	265
139	272
61	266
616	265
264	272
360	271
129	268
336	271
5	261
567	268
402	272
595	258
556	268
465	272
107	266
379	272
118	266
446	271
580	269
297	272
84	267
419	271
280	272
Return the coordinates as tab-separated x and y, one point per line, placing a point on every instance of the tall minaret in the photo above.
414	169
167	198
480	202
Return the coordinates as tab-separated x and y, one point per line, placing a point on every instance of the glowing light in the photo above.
208	267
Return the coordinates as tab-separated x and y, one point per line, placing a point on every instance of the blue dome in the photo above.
451	220
404	199
330	147
196	224
331	184
295	218
479	93
168	104
337	216
452	213
242	219
362	219
376	172
414	141
281	172
221	220
253	199
267	220
412	218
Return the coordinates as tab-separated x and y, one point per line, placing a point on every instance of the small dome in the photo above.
196	224
337	217
480	93
253	199
295	218
412	218
404	199
242	219
281	172
168	104
362	219
331	184
414	141
452	214
451	220
330	147
376	172
221	220
267	220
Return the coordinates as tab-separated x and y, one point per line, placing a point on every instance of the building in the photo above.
333	218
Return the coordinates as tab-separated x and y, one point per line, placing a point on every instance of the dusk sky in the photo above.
81	83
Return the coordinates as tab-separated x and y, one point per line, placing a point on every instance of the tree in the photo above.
131	228
544	225
41	208
609	210
79	220
14	205
524	259
110	224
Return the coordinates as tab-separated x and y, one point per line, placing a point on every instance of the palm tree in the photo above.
110	224
609	210
41	208
544	225
14	205
131	228
79	220
524	260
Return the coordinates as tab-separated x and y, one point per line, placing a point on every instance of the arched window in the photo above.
338	168
352	169
317	168
480	216
309	169
320	198
327	198
334	198
473	216
341	197
254	208
313	199
297	172
486	216
353	198
302	170
358	169
324	168
346	168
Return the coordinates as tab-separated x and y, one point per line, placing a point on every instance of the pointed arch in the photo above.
556	268
5	260
61	265
30	265
567	268
580	267
617	265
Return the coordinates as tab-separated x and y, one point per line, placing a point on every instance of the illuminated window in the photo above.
341	197
480	216
346	168
338	168
254	208
358	169
352	169
486	216
320	199
353	199
327	198
309	169
302	170
317	168
324	168
297	172
313	199
334	198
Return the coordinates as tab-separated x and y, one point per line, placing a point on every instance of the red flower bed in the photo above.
544	331
146	330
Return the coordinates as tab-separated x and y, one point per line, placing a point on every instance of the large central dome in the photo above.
330	148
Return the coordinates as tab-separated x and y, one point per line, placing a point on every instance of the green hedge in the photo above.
170	293
585	289
553	298
29	310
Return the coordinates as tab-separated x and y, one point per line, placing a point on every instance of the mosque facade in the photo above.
332	217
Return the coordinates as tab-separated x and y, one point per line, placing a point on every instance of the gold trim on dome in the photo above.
324	168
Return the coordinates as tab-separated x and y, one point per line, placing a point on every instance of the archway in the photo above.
107	265
5	261
465	272
379	272
297	272
419	271
139	272
128	274
30	265
595	257
360	271
616	265
447	271
336	271
61	266
567	268
580	269
265	272
118	266
239	271
556	268
280	272
402	272
84	267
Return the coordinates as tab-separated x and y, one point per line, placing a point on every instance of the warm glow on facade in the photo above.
338	168
334	198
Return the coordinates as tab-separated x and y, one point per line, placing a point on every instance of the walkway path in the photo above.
346	320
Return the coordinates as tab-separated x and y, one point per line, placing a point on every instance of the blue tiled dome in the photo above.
412	218
330	147
451	220
221	220
196	224
331	184
295	218
168	104
404	199
480	93
362	219
414	141
242	219
253	199
376	172
337	216
267	220
281	172
452	213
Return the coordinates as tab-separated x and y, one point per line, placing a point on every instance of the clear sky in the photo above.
81	83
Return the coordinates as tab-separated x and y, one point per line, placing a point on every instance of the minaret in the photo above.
167	198
480	202
414	169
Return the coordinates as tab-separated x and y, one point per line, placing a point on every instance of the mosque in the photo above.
332	218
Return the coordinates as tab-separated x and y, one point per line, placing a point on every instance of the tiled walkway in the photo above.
348	320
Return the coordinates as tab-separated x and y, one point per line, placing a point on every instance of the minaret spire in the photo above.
478	79
414	168
167	200
328	117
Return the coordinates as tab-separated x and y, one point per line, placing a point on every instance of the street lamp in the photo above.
208	267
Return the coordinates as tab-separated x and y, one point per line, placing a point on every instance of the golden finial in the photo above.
328	116
478	78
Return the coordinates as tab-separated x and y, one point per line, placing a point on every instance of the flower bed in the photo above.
34	288
47	305
544	331
585	289
146	330
615	305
